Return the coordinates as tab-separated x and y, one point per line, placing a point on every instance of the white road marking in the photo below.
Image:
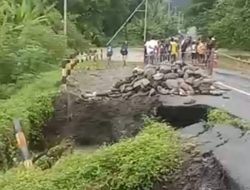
233	88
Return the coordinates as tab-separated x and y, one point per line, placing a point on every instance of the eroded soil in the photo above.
199	172
108	120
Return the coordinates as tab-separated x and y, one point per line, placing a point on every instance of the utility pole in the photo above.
145	21
169	8
126	21
179	21
65	7
182	19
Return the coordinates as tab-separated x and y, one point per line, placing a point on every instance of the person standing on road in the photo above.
201	49
163	51
194	52
168	49
109	53
210	47
173	50
151	49
124	52
184	45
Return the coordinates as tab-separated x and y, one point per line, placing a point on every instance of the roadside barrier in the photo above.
234	58
67	66
91	55
22	144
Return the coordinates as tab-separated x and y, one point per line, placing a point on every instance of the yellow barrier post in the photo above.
22	144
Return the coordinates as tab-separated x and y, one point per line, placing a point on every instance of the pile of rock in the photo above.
166	79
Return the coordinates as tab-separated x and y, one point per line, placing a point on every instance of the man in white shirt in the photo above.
151	50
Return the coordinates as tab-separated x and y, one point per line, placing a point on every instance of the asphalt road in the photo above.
236	101
228	144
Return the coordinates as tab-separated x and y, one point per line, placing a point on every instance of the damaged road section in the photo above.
99	121
166	79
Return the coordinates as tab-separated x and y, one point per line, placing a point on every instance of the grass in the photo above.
235	52
8	90
134	163
32	104
232	64
219	116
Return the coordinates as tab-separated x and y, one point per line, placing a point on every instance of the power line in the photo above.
126	21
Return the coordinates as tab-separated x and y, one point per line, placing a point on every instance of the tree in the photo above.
159	25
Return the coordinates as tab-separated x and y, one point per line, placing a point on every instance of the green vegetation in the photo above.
99	20
32	38
218	116
29	44
33	105
226	19
130	164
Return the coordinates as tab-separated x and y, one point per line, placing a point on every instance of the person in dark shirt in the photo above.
185	44
210	47
124	52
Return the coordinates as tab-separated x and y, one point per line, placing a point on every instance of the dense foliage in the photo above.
159	24
32	39
32	105
228	20
28	43
131	164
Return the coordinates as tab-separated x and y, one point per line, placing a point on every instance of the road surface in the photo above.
227	143
236	101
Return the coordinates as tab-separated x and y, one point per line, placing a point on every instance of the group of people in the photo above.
201	50
123	51
173	48
161	50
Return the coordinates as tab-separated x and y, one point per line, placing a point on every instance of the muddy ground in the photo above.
108	120
198	172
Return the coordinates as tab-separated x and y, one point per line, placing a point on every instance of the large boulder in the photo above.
199	73
172	84
189	100
122	88
182	92
180	73
141	83
162	90
197	82
158	76
208	81
149	72
165	69
171	76
180	80
138	71
186	87
189	67
186	76
152	92
190	80
216	92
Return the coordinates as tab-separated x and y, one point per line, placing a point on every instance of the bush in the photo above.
30	103
218	116
134	163
44	37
